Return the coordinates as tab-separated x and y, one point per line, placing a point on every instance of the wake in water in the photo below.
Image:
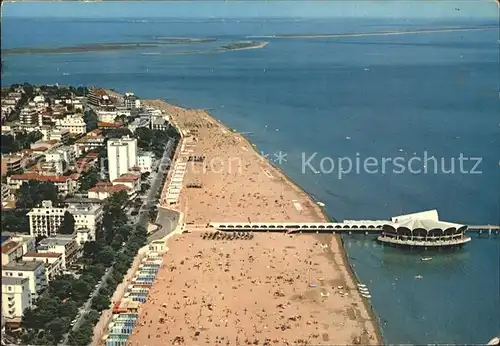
380	33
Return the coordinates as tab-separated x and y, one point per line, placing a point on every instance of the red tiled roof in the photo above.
95	132
42	254
100	92
41	149
92	155
34	176
9	246
104	124
128	177
107	187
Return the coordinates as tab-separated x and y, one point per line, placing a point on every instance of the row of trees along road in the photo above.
50	320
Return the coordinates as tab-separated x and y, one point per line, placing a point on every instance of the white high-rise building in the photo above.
122	155
132	150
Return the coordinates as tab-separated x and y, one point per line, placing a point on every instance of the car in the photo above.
96	286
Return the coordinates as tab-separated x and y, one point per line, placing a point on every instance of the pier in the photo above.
349	227
422	229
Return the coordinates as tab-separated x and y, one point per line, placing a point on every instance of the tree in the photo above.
57	327
81	290
68	224
62	286
14	221
90	249
92	316
118	132
106	255
117	242
90	119
68	308
30	319
100	302
117	199
33	192
82	335
88	179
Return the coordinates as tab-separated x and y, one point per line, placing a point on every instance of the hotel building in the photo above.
122	155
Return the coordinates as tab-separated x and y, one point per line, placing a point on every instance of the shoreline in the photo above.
334	244
352	273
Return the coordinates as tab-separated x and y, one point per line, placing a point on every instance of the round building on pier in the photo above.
423	230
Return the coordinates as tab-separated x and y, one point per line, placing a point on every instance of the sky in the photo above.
252	8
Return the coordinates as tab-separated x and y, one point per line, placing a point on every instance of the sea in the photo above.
335	113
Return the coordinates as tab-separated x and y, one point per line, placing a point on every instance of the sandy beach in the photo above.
270	289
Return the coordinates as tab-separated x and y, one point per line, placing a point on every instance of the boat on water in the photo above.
425	259
419	277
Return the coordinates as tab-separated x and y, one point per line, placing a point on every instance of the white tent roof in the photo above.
426	219
423	215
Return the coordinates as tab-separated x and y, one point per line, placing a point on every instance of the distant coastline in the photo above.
380	33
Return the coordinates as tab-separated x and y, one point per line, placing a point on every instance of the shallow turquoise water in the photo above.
391	95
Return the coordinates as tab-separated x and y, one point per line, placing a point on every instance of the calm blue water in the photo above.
372	96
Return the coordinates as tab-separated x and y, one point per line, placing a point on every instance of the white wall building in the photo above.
66	153
65	245
145	161
53	262
46	220
106	116
122	155
34	271
16	296
74	123
50	133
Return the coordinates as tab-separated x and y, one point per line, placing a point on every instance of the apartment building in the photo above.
11	163
53	262
5	193
28	242
130	101
51	133
30	116
97	97
92	140
66	245
46	219
87	216
74	123
33	270
16	297
159	122
145	161
122	155
11	251
130	180
65	184
103	190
